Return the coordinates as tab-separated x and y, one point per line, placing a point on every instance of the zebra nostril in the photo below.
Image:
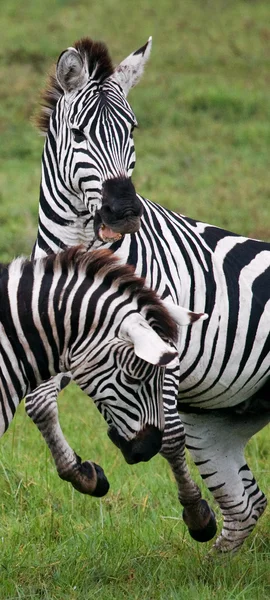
120	212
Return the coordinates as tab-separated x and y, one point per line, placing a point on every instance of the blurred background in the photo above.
203	104
202	147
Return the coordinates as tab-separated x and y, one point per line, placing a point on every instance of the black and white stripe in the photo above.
224	362
73	312
223	381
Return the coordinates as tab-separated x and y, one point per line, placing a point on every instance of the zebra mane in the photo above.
105	264
97	57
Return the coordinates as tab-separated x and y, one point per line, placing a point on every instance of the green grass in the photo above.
56	543
202	149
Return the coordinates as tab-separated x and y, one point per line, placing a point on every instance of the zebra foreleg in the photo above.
216	441
41	406
197	515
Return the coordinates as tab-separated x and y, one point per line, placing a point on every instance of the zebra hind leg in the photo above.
41	406
197	515
217	440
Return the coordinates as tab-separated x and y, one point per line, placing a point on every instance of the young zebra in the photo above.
85	313
223	381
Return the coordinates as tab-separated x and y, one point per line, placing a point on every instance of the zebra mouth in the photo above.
106	234
113	229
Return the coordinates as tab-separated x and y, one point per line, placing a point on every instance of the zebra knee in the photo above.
41	404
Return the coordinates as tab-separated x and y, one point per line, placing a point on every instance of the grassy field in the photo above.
203	149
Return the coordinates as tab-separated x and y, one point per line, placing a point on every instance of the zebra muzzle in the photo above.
120	212
113	232
142	448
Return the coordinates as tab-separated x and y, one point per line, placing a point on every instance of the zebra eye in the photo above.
78	135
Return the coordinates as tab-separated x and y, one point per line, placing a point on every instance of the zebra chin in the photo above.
142	448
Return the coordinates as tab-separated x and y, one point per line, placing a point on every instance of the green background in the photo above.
202	149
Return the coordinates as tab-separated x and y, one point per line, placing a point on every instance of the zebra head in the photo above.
122	368
128	393
125	379
90	143
142	375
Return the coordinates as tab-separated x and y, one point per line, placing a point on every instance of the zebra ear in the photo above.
183	316
71	71
130	70
147	343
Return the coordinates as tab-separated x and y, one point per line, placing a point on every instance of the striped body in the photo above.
227	359
222	388
224	362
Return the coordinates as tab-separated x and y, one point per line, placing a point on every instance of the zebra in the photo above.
87	196
220	385
86	313
86	187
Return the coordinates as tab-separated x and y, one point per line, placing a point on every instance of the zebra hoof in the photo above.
88	478
103	485
205	534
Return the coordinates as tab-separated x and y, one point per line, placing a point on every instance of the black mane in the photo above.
105	263
108	265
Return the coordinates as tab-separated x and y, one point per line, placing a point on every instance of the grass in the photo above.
202	149
56	543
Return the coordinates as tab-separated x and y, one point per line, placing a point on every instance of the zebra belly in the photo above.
245	390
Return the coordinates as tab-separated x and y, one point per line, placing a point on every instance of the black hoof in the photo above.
206	533
103	485
88	478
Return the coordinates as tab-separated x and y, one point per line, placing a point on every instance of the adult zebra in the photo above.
224	363
85	313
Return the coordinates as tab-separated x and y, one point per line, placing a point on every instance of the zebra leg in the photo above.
217	441
41	406
197	515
